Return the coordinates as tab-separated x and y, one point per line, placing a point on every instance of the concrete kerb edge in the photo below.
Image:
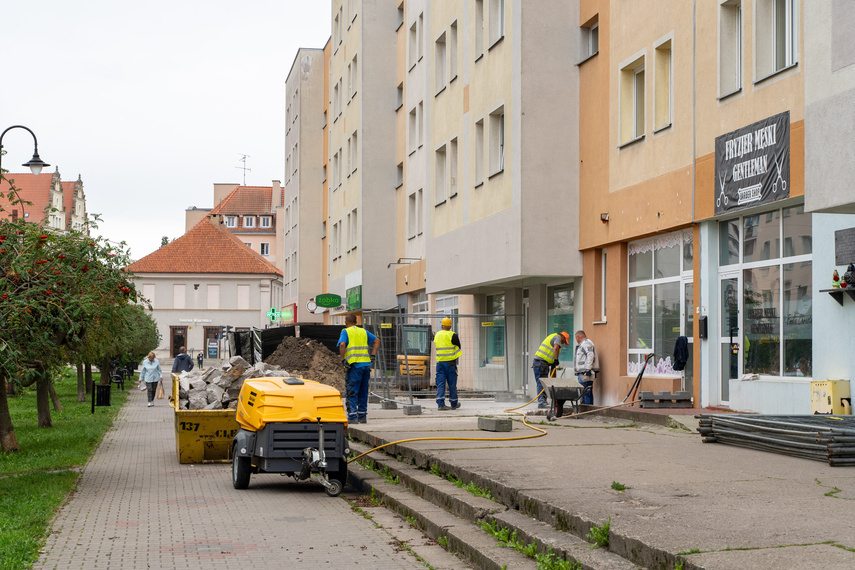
629	548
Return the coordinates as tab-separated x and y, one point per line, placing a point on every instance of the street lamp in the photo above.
36	164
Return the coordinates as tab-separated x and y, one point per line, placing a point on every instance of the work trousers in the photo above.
446	374
541	370
357	392
588	397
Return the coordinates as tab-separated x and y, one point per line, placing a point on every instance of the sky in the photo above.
153	102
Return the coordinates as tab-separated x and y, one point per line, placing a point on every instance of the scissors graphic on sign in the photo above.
721	194
780	178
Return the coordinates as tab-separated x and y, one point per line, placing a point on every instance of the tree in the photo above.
56	287
164	240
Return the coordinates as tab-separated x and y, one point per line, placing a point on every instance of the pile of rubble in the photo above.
219	388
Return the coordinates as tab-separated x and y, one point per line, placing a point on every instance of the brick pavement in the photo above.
137	507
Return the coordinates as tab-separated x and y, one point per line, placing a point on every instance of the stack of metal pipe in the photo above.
821	438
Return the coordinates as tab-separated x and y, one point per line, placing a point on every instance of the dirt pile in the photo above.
309	359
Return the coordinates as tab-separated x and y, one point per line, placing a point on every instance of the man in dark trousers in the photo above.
447	352
353	346
183	362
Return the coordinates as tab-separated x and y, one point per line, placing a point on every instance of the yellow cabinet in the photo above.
826	397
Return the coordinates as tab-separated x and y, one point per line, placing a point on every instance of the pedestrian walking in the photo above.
151	375
545	359
447	354
183	362
586	364
353	346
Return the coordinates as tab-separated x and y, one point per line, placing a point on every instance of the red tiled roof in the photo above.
246	200
32	188
206	248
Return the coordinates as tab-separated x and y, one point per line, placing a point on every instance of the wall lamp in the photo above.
404	261
604	217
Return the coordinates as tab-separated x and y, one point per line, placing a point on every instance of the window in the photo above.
337	29
353	82
730	47
439	64
632	101
400	15
349	155
247	244
399	175
412	212
336	240
479	28
421	123
452	168
419	208
662	90
776	296
231	221
352	235
560	309
265	220
148	291
399	96
656	271
497	141
339	166
243	297
335	171
179	294
493	337
421	36
439	176
452	51
413	130
497	20
774	36
590	40
336	102
479	152
414	44
265	248
249	221
355	149
604	283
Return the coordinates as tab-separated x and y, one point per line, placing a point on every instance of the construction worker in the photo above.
587	365
353	346
546	358
447	352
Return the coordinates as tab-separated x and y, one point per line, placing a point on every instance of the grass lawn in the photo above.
35	482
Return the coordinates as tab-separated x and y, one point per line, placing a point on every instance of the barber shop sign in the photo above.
752	164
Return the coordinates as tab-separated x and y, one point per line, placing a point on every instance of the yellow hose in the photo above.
510	410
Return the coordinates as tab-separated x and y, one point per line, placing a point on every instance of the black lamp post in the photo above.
35	164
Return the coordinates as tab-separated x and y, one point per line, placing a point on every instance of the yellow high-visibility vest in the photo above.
445	351
357	345
545	352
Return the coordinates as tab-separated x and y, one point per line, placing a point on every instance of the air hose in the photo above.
510	410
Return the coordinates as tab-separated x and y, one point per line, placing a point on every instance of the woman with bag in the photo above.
151	375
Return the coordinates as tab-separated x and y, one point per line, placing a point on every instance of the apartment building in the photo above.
361	177
829	55
303	205
502	190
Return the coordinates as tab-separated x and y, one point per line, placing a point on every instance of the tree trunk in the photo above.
81	383
87	371
43	398
8	441
57	405
105	372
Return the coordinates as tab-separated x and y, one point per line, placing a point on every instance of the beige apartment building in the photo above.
303	203
361	177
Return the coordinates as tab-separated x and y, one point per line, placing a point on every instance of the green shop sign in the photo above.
354	298
328	300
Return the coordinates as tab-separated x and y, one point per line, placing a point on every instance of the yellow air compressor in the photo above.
291	426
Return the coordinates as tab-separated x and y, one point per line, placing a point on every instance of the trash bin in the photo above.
102	395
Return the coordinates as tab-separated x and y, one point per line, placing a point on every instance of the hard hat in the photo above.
566	337
446	322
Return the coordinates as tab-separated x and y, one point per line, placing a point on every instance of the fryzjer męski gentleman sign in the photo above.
752	164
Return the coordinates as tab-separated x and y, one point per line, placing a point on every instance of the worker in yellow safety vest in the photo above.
546	358
447	353
353	346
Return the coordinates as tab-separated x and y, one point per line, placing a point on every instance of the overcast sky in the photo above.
152	102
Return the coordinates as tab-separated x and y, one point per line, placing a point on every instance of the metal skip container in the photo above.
202	436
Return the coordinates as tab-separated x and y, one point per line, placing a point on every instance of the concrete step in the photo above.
444	509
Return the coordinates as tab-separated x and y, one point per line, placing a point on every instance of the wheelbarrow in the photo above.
561	389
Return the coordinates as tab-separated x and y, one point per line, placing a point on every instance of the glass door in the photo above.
688	318
729	332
